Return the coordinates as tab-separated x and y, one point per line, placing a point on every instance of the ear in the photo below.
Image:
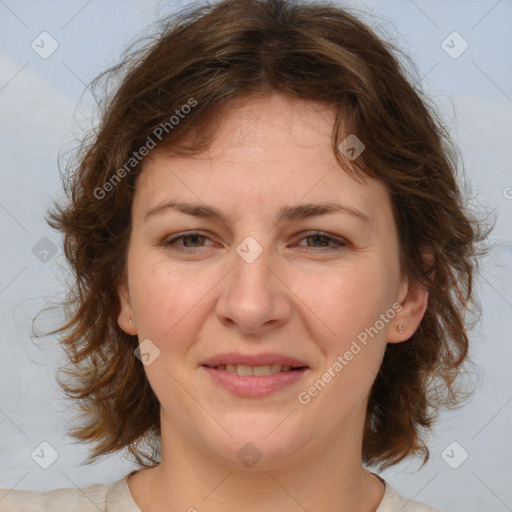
126	311
413	299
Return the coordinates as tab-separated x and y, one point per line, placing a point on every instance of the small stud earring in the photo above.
130	321
400	329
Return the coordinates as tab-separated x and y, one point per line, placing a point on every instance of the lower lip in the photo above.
250	386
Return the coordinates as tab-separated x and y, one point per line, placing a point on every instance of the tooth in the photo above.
261	370
243	370
275	368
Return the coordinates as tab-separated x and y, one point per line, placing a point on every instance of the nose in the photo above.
254	298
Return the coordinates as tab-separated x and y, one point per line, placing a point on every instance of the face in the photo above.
274	280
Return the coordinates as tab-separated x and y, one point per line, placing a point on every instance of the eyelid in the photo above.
313	232
168	240
339	242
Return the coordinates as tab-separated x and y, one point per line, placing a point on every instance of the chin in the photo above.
260	442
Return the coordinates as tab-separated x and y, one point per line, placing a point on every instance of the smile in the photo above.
255	381
244	370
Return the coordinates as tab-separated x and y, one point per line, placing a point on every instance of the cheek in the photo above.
346	301
347	311
167	299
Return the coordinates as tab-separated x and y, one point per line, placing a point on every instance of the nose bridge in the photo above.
252	296
251	277
251	263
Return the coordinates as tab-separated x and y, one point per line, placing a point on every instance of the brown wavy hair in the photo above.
215	55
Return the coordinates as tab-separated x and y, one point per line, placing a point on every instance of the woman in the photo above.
273	265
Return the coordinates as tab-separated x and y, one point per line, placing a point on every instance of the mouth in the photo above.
259	371
255	376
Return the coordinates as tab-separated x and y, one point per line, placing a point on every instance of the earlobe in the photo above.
408	318
125	317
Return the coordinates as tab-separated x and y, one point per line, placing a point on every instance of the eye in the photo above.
192	241
196	240
321	240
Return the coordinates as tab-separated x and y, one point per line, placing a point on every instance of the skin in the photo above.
303	296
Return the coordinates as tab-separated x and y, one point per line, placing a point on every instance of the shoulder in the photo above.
94	498
88	498
394	502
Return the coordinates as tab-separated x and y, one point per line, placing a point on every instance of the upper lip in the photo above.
233	358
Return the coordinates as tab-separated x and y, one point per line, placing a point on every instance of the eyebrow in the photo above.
302	211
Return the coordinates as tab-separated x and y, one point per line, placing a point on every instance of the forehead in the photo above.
268	152
258	119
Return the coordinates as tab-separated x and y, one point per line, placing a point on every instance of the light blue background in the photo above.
37	104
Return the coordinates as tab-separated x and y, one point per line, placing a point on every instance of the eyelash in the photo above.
169	243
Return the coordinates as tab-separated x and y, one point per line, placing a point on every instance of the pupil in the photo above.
194	237
317	237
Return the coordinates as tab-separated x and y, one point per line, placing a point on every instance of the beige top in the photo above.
117	497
